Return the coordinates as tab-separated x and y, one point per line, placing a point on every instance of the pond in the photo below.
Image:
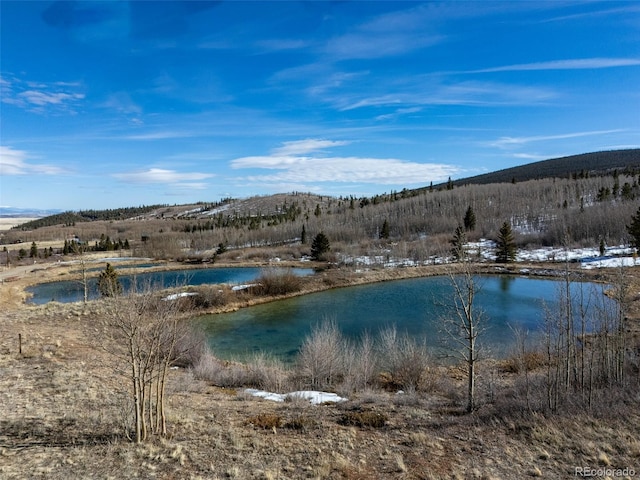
416	306
72	291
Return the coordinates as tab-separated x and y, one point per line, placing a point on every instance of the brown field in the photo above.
62	414
7	223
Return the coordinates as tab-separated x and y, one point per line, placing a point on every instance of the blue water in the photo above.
72	291
417	306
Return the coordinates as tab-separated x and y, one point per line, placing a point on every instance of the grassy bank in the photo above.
63	413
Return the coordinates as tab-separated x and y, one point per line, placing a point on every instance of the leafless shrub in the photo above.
519	363
186	381
222	374
268	373
277	281
210	296
190	346
361	364
161	246
321	360
404	358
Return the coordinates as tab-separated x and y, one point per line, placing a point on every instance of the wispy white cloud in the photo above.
308	145
280	44
368	45
511	142
390	34
40	97
161	135
164	176
570	64
630	9
533	156
398	113
471	93
14	162
295	169
123	103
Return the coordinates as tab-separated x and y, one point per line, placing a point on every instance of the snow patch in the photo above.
246	286
315	397
589	258
175	296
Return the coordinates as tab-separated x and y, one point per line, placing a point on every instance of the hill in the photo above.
582	201
583	165
285	206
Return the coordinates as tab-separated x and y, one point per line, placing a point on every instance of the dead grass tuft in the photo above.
529	362
364	419
265	421
301	422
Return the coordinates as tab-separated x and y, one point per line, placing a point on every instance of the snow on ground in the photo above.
589	258
313	396
244	287
190	212
175	296
217	210
608	262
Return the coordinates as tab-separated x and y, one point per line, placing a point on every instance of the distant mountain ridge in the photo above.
595	163
12	212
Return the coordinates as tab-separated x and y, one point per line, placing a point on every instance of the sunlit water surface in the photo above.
416	306
72	291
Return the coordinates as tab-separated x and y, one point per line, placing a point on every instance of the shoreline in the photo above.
15	280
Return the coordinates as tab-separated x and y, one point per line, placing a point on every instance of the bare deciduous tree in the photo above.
79	249
146	331
465	324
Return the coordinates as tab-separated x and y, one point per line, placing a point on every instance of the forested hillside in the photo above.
584	165
570	209
71	218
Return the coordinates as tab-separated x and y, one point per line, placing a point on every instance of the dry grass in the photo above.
9	223
62	415
364	419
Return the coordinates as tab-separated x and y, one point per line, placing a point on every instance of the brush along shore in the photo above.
63	414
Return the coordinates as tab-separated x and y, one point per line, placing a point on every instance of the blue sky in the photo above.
114	104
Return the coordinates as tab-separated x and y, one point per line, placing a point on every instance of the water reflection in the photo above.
416	306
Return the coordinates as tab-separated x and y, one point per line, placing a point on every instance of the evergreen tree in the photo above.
108	283
634	230
469	219
506	244
320	246
303	235
33	253
384	232
457	244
